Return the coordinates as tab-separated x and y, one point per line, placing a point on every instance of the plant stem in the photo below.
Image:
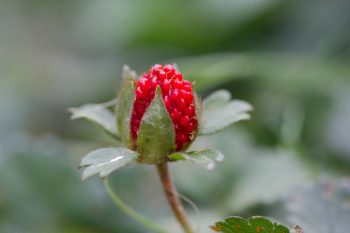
173	197
129	211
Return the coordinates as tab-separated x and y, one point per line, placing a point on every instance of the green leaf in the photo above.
99	114
219	112
321	208
252	225
106	160
205	158
125	105
264	224
156	137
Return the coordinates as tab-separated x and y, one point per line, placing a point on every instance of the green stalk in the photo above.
129	211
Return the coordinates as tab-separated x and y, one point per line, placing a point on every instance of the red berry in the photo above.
157	66
156	69
175	95
166	101
162	75
187	86
168	68
178	76
187	96
139	93
178	84
181	139
184	121
190	111
178	99
181	104
166	86
194	123
154	82
175	114
144	84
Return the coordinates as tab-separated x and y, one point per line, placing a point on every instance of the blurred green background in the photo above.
289	58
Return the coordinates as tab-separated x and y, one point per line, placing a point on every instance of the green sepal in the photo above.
125	106
129	74
156	136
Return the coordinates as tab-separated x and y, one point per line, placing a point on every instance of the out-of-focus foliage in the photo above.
322	207
289	58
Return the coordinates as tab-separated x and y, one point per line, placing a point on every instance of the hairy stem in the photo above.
129	211
173	197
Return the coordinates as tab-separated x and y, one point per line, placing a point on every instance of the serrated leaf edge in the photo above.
219	226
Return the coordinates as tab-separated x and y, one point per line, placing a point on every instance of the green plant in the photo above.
158	116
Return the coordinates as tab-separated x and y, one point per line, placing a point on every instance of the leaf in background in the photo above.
106	160
205	158
99	114
252	225
42	169
219	112
288	71
267	177
125	105
156	136
321	208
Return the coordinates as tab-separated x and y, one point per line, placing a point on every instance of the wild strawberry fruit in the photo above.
178	98
158	116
